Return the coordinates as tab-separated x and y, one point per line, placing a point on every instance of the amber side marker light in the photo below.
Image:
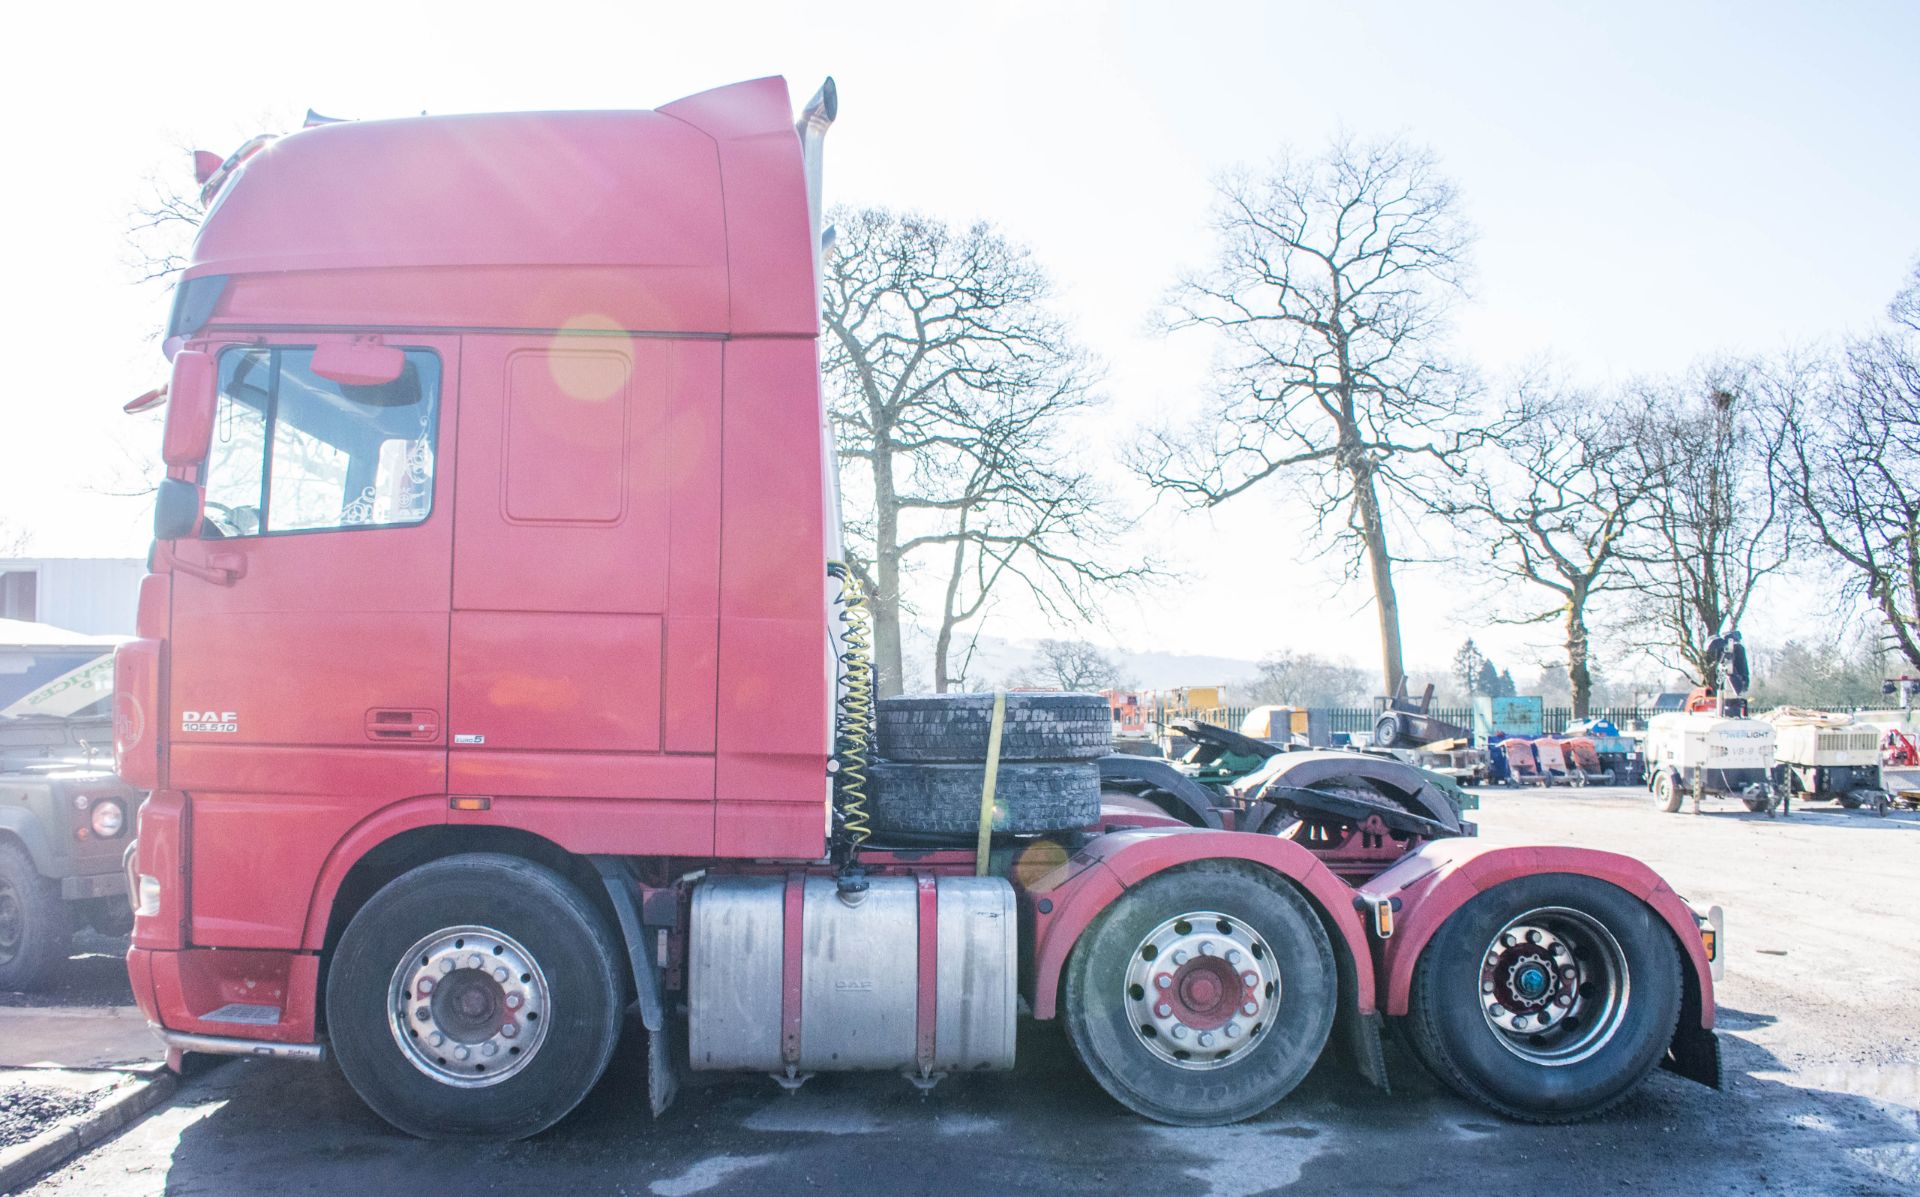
470	802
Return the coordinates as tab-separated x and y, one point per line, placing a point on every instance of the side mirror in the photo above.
358	363
191	398
176	509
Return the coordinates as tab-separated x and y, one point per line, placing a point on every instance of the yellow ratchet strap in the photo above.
986	787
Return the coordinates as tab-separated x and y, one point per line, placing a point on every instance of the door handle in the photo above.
403	723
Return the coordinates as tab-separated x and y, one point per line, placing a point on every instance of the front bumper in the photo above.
99	885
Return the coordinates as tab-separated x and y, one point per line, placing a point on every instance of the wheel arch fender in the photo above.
1064	904
20	825
1193	799
1436	881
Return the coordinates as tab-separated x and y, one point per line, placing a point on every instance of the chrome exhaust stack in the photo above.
815	119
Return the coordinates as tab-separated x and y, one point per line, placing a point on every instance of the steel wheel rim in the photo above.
1554	986
469	1006
1199	990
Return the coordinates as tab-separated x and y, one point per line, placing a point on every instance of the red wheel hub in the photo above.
1206	992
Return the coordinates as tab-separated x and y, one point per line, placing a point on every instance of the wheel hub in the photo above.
467	1006
1553	985
1198	990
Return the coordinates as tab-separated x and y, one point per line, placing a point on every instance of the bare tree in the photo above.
1556	494
14	538
1072	665
951	383
1851	463
162	225
1714	525
1329	291
1306	679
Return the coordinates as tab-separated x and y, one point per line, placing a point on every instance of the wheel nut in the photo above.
1179	1032
1206	1039
474	961
1250	1009
423	1014
1233	957
1233	1030
1533	937
436	1039
423	986
1486	987
1519	1021
513	1001
489	1048
1180	957
510	1030
446	966
1163	980
1508	939
1206	947
1163	1010
461	1053
1250	980
500	975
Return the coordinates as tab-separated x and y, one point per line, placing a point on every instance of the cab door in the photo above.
308	659
585	589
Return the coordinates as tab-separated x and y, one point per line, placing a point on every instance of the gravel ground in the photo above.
26	1110
1817	1013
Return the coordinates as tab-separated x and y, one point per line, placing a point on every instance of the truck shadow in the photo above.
1048	1128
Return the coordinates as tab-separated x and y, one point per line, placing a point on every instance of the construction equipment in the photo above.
1713	747
1828	757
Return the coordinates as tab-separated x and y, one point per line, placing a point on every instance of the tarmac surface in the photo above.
1818	1018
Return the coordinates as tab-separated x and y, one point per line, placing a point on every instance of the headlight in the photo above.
108	819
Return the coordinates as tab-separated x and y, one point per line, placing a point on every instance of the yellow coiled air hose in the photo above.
853	717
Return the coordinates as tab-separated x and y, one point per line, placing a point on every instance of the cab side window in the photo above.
295	452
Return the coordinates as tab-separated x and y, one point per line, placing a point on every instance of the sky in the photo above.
1653	184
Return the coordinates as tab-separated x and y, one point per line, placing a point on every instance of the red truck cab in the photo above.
489	584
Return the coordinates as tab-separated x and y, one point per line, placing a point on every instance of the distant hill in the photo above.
995	659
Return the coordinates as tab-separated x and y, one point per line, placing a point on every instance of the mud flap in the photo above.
663	1078
1360	1045
1695	1054
663	1070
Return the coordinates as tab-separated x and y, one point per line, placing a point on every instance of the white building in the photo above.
95	595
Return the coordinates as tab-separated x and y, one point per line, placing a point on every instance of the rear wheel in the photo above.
1203	995
36	928
475	997
1547	998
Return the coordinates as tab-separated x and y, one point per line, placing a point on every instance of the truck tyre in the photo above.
1028	798
36	929
1548	998
1667	794
475	997
1386	733
953	728
1203	995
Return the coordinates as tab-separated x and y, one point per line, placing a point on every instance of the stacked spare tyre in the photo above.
933	758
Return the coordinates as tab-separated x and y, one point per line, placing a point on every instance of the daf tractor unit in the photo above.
495	675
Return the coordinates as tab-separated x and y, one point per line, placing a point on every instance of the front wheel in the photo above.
1548	998
36	928
474	997
1203	995
1667	794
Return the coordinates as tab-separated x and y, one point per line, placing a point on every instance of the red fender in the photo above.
1065	902
1443	876
368	834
